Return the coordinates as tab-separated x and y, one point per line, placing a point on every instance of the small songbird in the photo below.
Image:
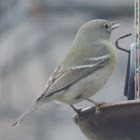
84	70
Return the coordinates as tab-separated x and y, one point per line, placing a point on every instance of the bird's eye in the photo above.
106	26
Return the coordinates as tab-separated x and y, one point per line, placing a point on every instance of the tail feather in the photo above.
26	114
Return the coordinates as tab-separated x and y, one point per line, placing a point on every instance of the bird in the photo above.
84	70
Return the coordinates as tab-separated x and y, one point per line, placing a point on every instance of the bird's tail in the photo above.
27	113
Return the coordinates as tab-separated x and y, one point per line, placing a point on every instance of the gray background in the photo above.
34	37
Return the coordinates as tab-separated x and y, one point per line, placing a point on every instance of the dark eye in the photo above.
106	26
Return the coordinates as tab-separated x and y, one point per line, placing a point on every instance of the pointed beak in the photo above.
115	24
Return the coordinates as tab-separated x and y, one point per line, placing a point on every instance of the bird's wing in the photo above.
64	77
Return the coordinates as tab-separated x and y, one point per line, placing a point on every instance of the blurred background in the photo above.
34	36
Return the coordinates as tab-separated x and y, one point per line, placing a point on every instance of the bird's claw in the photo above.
97	106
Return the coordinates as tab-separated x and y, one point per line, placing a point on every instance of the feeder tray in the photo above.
120	121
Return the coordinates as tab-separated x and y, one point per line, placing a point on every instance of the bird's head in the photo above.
96	30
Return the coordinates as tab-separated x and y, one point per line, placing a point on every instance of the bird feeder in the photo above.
119	121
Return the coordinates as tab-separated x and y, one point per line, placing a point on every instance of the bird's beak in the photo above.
115	24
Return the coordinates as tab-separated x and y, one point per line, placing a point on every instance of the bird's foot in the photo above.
97	104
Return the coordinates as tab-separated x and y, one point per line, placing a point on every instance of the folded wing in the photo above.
65	77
